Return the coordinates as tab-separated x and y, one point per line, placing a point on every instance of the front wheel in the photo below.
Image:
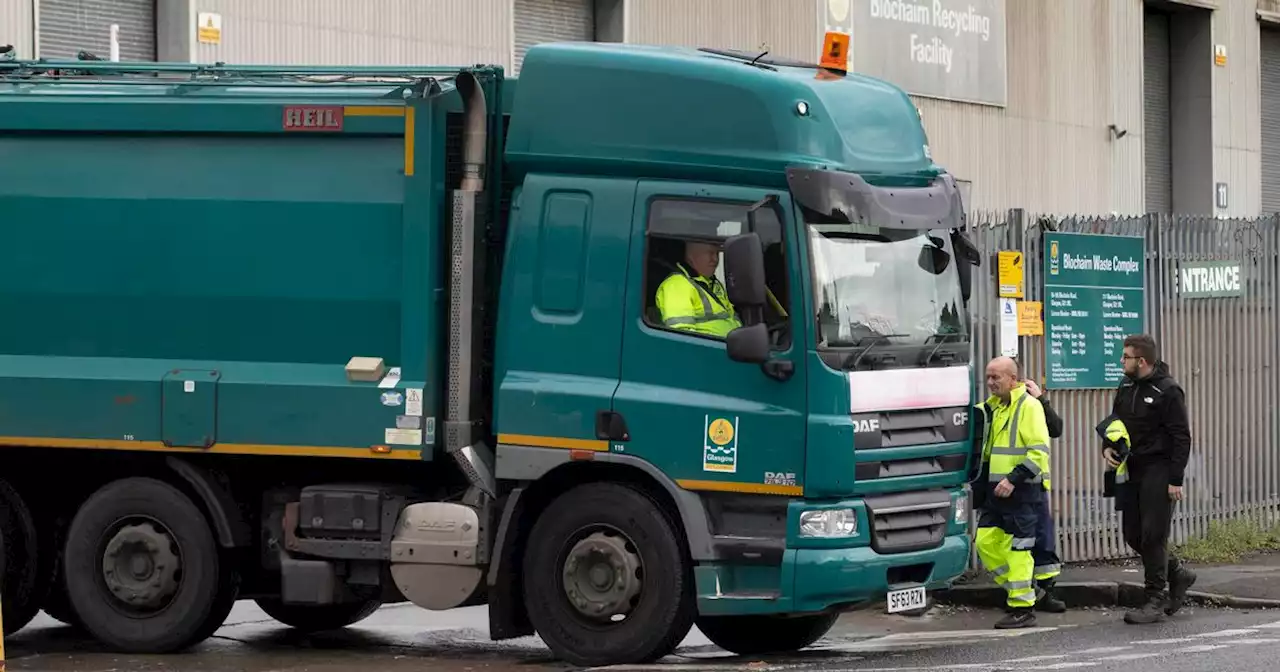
755	635
606	580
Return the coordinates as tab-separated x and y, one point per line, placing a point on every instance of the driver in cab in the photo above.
692	298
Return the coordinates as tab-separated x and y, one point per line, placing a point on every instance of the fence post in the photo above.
1017	241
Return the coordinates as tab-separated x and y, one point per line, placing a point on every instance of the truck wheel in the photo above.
606	579
315	618
26	579
143	572
754	635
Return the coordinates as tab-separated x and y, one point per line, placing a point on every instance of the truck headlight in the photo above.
829	523
962	510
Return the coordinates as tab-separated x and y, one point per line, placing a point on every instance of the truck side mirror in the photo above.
971	256
749	344
744	270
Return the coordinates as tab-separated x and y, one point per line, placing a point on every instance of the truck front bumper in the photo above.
816	575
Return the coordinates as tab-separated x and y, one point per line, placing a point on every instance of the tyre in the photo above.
26	571
56	604
143	571
606	578
754	635
315	618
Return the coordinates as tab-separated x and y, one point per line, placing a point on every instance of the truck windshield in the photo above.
887	297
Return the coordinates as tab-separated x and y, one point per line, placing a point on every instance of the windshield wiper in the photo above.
942	338
874	343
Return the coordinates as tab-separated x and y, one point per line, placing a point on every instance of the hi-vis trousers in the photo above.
1006	537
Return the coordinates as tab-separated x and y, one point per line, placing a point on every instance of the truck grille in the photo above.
895	429
909	521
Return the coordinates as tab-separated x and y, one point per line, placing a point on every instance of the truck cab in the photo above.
812	459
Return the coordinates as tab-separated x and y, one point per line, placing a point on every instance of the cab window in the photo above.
683	237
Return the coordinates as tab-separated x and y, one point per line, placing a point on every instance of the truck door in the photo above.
708	422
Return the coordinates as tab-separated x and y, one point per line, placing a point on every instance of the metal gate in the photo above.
68	26
1224	351
1270	94
1158	158
539	21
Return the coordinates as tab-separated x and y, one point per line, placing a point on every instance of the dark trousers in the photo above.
1045	552
1147	515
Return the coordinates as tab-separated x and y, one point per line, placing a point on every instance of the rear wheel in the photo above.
314	618
143	571
753	635
26	571
606	578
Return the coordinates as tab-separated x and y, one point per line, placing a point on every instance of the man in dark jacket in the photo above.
1153	408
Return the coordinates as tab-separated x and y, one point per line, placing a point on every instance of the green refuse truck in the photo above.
329	338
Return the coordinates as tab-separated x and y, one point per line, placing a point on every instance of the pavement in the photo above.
402	638
1252	583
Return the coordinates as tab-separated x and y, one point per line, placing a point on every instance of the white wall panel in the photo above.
17	26
342	32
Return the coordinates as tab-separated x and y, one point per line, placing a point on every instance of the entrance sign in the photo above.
1210	279
1094	292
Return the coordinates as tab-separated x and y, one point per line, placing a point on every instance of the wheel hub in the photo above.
140	566
602	576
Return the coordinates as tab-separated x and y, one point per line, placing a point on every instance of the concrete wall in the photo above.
1074	70
17	26
336	32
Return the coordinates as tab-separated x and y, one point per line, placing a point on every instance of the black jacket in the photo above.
1154	410
1051	417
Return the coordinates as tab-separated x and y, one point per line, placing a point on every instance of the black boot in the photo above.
1018	617
1150	612
1180	581
1046	601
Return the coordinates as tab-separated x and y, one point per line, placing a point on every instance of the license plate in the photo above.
906	600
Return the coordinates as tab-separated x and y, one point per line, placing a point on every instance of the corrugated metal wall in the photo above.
340	32
788	28
70	26
1270	122
1157	138
17	26
1071	68
1224	352
537	21
1237	124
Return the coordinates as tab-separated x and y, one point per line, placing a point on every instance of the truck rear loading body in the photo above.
197	253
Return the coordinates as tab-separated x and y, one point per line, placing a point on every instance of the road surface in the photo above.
403	638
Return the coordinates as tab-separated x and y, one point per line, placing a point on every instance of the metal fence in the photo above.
1224	352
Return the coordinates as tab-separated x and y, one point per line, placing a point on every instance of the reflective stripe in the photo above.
1024	543
1000	469
705	298
1016	587
1001	570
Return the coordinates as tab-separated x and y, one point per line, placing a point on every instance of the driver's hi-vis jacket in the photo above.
697	304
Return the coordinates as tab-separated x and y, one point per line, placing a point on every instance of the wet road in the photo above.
403	637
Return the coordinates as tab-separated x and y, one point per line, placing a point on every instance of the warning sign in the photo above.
209	28
1010	275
